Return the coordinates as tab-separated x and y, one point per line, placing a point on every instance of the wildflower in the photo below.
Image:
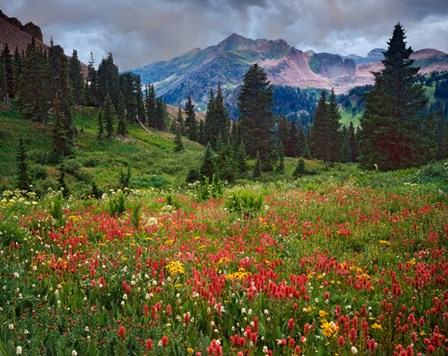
164	341
11	326
122	332
377	326
190	350
19	350
354	350
74	353
148	345
291	324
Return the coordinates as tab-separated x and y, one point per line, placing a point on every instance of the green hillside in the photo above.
151	156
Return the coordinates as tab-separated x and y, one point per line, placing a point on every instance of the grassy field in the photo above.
340	262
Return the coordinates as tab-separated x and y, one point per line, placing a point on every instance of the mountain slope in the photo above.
200	70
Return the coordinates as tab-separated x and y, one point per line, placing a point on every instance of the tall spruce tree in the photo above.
108	117
17	69
34	94
121	116
191	129
207	167
8	64
150	105
178	143
333	134
77	79
318	136
353	143
91	89
256	121
394	134
221	115
292	144
23	179
108	80
100	131
210	129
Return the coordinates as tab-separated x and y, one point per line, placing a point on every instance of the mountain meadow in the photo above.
171	210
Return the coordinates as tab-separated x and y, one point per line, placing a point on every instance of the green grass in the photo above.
151	156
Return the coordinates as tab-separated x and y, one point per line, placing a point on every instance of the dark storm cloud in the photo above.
138	32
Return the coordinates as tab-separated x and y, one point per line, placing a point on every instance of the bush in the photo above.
90	161
38	171
71	166
39	156
153	181
116	204
245	202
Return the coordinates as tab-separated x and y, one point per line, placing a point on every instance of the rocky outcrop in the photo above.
29	28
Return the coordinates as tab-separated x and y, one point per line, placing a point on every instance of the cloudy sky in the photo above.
139	32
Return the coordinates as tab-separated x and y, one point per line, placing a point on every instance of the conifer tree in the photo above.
292	145
91	90
257	172
160	115
178	143
150	105
281	161
394	134
121	116
221	116
34	90
17	70
23	179
210	129
8	66
284	130
179	123
207	168
3	87
77	79
255	101
108	117
201	132
333	126
241	157
190	120
108	80
318	136
353	143
100	125
300	168
226	165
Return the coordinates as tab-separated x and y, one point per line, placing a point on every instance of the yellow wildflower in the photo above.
385	242
175	267
329	328
376	326
322	313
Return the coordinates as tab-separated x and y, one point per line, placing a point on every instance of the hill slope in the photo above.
151	156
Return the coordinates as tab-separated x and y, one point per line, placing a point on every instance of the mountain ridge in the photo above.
199	70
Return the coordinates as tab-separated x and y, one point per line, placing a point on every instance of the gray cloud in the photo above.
138	32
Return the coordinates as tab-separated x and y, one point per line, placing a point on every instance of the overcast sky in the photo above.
139	32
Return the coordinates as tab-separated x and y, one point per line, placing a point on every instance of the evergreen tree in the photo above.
3	86
108	80
255	101
108	117
284	131
121	116
77	80
226	165
141	113
353	143
201	133
62	133
394	134
240	158
150	105
318	136
300	168
190	121
8	66
100	125
23	179
17	69
178	143
256	173
210	129
34	90
179	123
334	118
292	144
221	116
91	90
160	115
207	168
345	154
281	162
301	139
128	90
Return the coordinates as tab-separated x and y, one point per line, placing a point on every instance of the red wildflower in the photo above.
122	332
165	341
148	345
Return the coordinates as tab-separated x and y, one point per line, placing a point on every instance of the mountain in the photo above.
200	70
13	33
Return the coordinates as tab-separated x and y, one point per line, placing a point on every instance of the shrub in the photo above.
56	210
245	202
116	205
38	171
